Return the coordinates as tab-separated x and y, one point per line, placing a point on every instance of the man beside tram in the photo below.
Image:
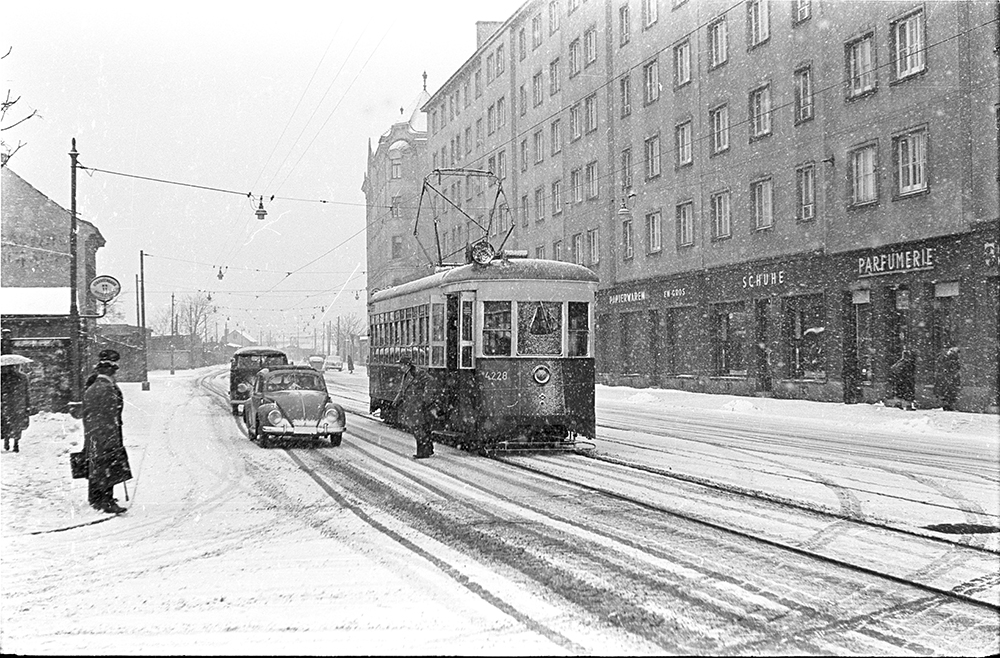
414	406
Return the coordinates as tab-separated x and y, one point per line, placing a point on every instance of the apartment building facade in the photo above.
779	196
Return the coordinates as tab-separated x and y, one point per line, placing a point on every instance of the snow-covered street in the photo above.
228	548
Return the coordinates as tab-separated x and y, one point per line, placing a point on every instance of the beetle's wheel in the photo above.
335	439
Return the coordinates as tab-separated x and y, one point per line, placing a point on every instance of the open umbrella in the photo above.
13	360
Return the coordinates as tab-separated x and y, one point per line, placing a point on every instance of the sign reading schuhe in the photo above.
902	260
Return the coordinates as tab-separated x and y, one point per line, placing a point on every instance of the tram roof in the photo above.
515	269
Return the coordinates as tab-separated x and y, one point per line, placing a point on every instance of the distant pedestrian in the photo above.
350	364
16	407
902	374
947	377
414	408
107	461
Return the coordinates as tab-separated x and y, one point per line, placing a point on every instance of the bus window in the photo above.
539	328
579	328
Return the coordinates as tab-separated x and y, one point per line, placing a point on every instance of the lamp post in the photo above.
75	396
142	321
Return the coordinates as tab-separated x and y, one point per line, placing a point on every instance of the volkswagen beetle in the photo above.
292	401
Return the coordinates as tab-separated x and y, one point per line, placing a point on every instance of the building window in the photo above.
524	155
805	191
861	66
501	112
574	57
627	246
539	204
718	43
654	235
719	210
760	112
479	134
911	162
575	121
553	17
536	32
593	246
540	252
501	60
590	113
536	89
577	245
653	157
522	97
478	79
762	203
593	184
685	224
525	210
683	139
590	46
555	83
682	63
490	68
468	140
539	146
758	22
573	5
862	175
626	169
804	328
908	45
576	184
491	119
556	197
522	44
397	207
729	339
651	81
718	120
801	11
557	250
502	164
625	87
396	169
624	25
555	136
649	12
397	246
803	94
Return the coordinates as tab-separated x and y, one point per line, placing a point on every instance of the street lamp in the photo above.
260	212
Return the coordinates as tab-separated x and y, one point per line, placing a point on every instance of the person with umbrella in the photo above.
107	461
16	408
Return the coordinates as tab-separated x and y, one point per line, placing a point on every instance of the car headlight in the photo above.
243	387
331	415
274	417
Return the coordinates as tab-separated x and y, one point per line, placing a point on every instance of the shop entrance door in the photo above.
762	348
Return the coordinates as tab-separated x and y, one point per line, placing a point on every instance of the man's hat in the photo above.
405	360
109	355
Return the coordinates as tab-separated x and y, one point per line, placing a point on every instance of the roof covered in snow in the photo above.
34	301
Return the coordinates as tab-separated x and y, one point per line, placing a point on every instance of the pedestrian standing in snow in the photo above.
903	372
16	406
947	377
107	461
350	364
413	406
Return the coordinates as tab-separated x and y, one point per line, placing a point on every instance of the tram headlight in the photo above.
483	252
541	375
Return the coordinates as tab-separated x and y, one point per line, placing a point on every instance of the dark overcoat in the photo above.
15	407
418	395
107	460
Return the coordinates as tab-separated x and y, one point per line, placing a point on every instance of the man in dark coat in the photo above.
947	380
107	461
903	373
414	406
16	405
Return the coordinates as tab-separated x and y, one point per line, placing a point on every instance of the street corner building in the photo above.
35	285
779	196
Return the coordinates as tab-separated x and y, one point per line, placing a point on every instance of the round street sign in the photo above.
105	288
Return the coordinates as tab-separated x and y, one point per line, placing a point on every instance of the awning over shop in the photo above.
34	301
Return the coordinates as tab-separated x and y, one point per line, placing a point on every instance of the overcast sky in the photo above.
268	98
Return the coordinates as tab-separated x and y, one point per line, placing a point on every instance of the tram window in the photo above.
539	328
466	320
437	322
496	328
579	328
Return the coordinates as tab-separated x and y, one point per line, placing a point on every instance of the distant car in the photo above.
333	363
245	363
292	401
316	361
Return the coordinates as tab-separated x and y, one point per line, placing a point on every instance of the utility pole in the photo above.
173	332
76	397
142	321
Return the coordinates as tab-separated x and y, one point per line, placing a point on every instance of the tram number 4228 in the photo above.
495	375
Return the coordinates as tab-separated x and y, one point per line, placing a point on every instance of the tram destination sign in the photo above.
893	262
